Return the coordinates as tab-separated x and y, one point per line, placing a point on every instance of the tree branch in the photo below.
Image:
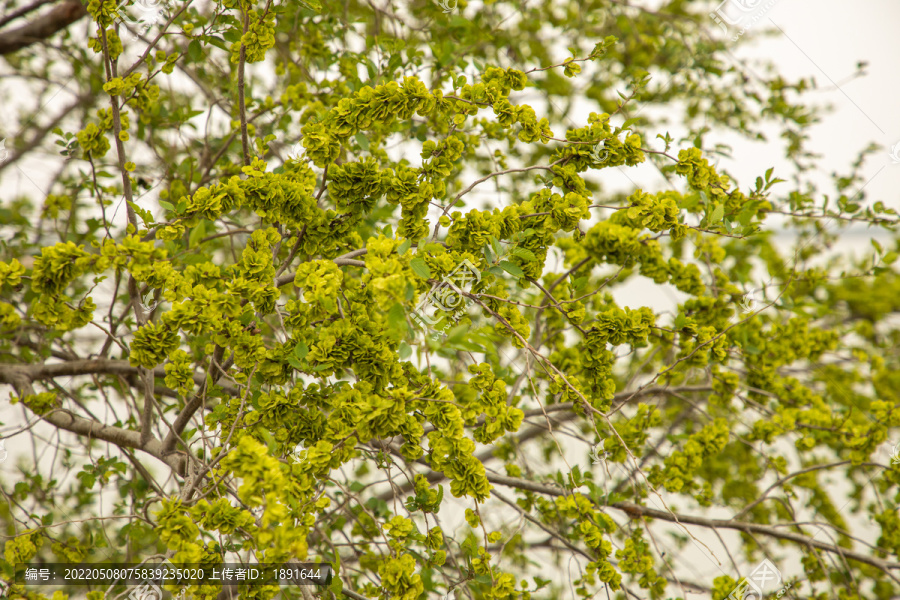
245	143
94	366
43	27
64	419
23	11
637	511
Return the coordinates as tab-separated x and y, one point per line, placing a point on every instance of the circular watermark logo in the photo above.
448	5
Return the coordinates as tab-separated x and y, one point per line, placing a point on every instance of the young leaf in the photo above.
419	267
524	253
495	245
145	215
512	269
397	317
197	234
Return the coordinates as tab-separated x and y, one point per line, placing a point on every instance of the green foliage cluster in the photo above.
250	328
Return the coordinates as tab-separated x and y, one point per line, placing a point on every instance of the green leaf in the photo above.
717	214
195	259
495	271
397	317
363	141
419	267
145	215
456	340
404	351
217	42
301	350
167	205
313	5
488	255
195	51
512	269
579	283
403	247
495	245
197	234
540	583
524	253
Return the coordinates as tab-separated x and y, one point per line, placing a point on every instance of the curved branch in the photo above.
636	511
43	27
23	11
90	366
64	419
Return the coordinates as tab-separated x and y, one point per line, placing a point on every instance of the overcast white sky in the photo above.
826	39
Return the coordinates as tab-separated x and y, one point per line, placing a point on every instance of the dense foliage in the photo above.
343	282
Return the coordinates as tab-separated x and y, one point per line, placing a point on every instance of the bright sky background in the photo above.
826	39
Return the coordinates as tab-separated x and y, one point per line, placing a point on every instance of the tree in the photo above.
342	283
